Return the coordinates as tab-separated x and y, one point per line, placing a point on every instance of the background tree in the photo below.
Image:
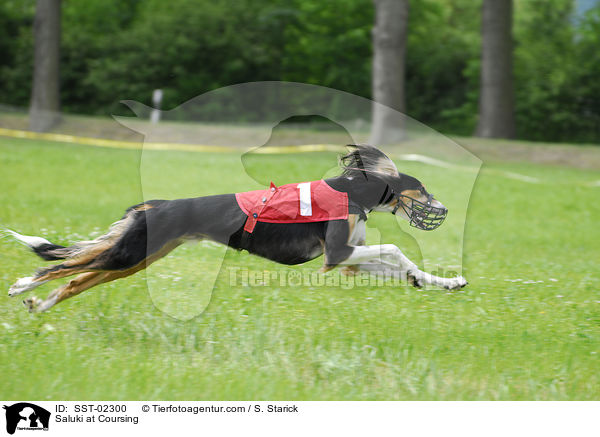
389	47
116	49
45	98
496	100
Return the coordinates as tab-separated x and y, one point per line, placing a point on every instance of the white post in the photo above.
157	96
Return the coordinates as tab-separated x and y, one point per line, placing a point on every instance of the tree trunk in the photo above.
389	47
45	98
496	99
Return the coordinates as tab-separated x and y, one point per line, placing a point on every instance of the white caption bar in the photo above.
250	418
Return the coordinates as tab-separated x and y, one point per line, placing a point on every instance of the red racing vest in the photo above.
293	203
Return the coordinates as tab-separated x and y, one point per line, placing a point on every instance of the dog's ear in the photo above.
363	158
387	166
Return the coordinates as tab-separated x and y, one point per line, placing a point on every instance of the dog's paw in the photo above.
414	280
21	286
456	283
349	270
32	303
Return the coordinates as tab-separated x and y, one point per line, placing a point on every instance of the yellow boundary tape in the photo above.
271	150
134	145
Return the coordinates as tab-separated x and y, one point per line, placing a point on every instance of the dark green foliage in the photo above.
330	45
556	61
443	64
16	51
123	49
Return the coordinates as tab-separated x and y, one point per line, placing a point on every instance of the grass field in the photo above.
527	326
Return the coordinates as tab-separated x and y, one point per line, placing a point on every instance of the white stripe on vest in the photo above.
305	202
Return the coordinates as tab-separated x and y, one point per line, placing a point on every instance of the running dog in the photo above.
290	225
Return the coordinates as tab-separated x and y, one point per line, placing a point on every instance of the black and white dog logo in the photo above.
26	416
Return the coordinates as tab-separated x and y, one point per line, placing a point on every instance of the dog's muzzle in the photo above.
422	215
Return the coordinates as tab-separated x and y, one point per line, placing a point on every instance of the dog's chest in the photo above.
358	234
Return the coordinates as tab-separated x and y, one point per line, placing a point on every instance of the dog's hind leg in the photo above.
47	274
44	275
89	257
88	280
24	284
73	287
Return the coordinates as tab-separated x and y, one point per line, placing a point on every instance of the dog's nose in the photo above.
439	205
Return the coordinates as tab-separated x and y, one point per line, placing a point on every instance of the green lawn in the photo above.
526	327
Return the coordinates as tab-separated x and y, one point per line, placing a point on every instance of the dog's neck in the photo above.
368	193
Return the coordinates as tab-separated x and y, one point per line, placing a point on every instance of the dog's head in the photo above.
410	200
402	195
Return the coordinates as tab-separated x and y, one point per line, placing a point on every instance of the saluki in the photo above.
291	225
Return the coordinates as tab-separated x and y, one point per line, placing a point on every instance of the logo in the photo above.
26	416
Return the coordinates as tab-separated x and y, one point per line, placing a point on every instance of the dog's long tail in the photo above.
42	247
51	252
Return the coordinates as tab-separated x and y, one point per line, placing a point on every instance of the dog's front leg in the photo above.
389	260
385	258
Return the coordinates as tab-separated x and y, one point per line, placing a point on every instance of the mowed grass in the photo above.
526	327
